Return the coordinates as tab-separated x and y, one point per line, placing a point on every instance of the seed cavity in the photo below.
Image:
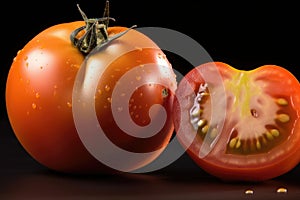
264	142
196	111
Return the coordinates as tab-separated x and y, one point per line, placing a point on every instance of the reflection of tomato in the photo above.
39	97
260	136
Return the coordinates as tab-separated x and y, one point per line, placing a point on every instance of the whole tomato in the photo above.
40	85
239	125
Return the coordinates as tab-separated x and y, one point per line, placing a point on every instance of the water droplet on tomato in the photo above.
37	95
69	104
107	88
25	58
33	105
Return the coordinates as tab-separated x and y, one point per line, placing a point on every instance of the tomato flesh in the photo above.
260	136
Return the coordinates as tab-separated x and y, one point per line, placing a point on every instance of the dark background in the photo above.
244	34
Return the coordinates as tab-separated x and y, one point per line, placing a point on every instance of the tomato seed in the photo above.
249	192
281	190
282	102
283	118
233	142
275	132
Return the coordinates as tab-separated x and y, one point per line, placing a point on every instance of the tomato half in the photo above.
39	92
239	125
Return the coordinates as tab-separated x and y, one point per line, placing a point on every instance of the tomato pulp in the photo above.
239	125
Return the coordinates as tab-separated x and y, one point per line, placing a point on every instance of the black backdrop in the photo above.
244	34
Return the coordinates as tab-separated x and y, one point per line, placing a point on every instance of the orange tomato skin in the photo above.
39	101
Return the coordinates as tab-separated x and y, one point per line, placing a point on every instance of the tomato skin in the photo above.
244	161
39	100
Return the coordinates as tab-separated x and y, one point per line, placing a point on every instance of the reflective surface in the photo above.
23	178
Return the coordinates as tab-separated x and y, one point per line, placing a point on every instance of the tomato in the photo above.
239	125
39	100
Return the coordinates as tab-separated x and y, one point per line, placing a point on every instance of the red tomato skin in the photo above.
39	102
241	171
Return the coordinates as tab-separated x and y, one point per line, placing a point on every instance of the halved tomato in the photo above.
239	125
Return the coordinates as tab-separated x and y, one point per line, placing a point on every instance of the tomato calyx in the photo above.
95	32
